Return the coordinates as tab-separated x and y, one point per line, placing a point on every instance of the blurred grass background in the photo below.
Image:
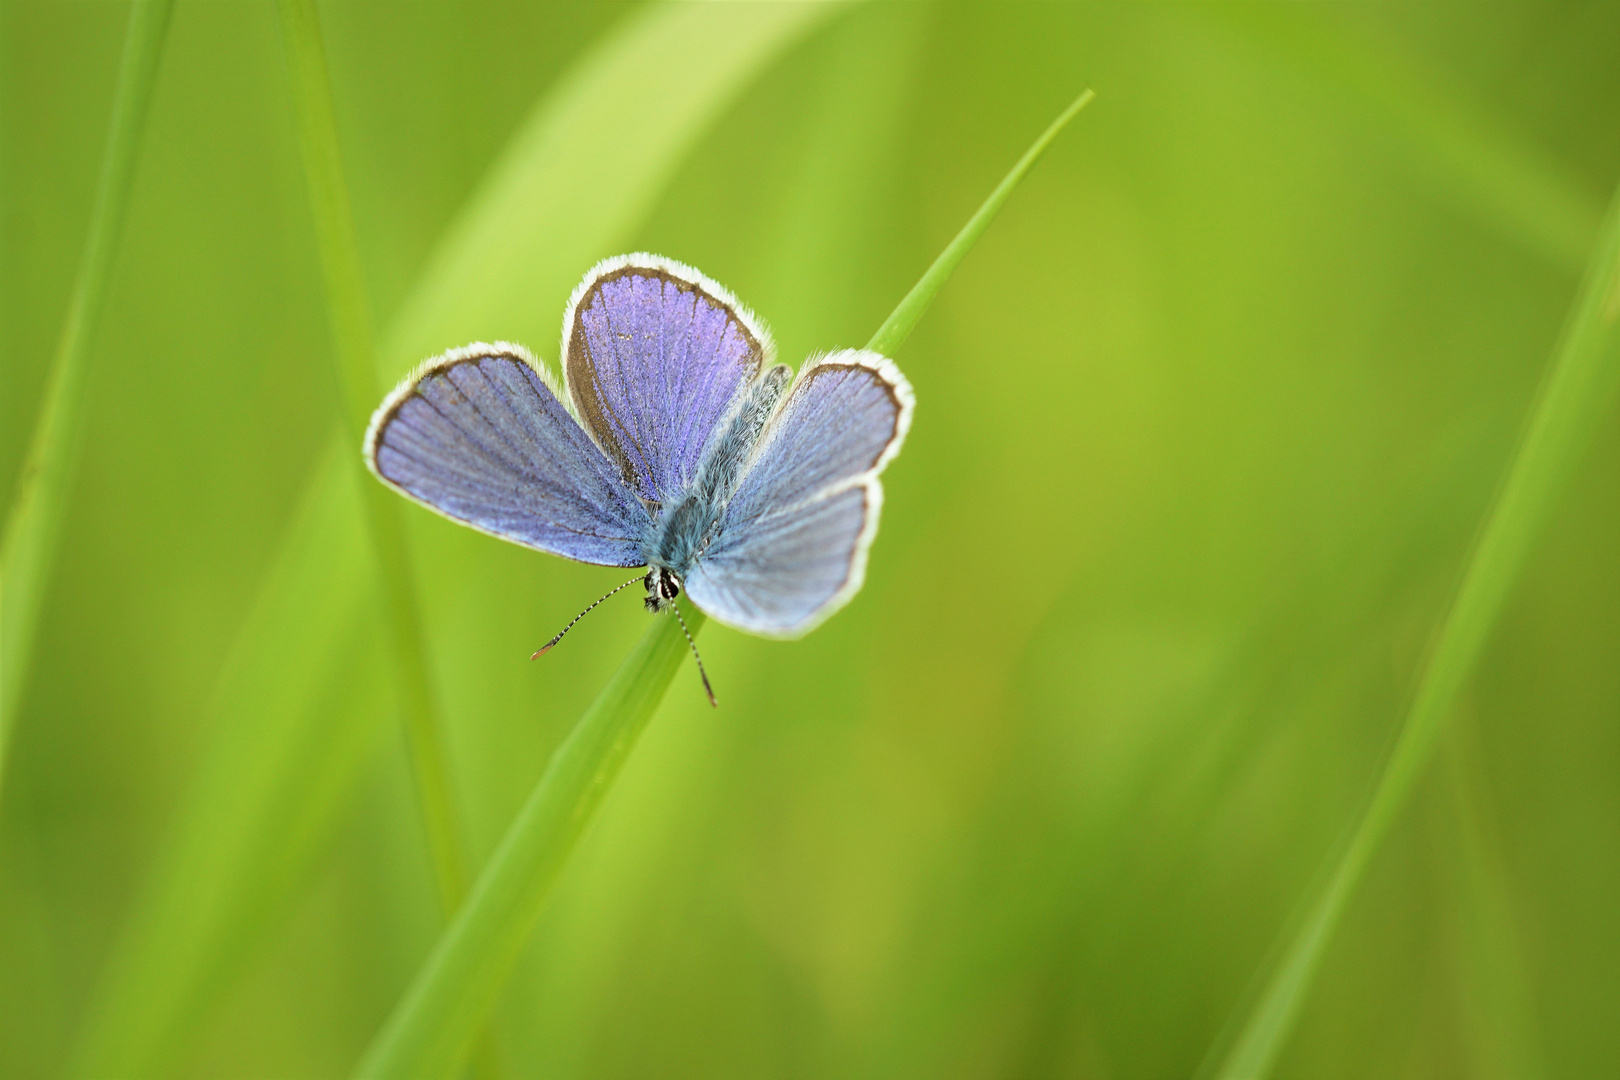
1208	419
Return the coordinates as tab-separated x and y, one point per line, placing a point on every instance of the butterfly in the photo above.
674	442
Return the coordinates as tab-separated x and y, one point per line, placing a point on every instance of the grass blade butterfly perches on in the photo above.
898	326
354	351
34	524
301	704
430	1028
1577	390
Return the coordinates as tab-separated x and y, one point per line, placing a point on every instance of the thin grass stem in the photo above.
1571	401
430	1029
33	527
898	326
355	355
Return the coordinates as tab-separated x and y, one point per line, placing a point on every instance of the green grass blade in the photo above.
355	353
1572	400
511	247
246	837
35	521
898	326
429	1030
207	900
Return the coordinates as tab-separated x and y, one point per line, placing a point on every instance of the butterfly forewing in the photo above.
655	354
479	437
791	547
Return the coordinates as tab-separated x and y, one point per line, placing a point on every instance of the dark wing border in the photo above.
906	402
581	399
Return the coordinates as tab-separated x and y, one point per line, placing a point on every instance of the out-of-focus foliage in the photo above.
1207	421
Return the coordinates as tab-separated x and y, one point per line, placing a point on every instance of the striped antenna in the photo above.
542	649
704	675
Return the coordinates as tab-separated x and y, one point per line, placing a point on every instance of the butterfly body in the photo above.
674	442
677	538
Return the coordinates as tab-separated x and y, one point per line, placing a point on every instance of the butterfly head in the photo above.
662	588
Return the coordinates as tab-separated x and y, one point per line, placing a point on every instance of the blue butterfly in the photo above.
675	442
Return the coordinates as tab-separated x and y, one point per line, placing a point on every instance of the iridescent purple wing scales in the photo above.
479	437
791	546
655	355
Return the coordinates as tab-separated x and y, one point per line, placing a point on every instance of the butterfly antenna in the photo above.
704	675
581	615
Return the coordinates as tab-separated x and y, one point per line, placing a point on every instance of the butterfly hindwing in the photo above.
655	354
478	436
791	547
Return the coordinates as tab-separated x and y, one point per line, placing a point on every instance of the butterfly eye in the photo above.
668	587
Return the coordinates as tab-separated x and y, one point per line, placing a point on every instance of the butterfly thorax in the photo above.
681	530
674	544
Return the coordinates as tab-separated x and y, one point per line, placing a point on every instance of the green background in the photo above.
1206	423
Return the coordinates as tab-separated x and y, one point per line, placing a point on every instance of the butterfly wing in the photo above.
478	436
791	547
655	354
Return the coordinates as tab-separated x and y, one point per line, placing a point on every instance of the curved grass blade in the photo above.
247	838
35	522
898	326
429	1030
355	354
225	875
510	248
1572	400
